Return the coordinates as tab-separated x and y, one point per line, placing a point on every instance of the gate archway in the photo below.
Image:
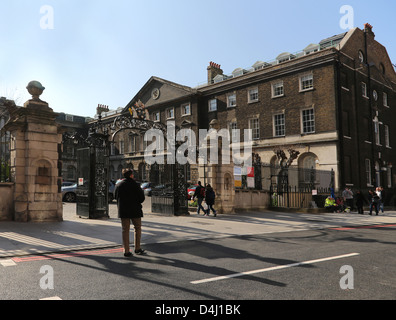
170	179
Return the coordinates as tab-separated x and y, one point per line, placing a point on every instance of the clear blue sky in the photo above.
104	51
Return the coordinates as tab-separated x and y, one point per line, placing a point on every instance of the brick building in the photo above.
334	102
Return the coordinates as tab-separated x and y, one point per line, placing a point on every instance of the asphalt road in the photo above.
304	265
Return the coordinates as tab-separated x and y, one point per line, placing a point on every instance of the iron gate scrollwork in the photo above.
170	194
92	171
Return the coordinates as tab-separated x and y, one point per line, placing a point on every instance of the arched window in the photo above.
307	166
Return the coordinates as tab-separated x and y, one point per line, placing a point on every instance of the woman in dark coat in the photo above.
210	199
360	201
129	198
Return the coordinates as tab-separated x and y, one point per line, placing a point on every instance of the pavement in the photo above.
76	234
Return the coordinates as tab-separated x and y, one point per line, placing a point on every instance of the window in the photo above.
170	113
255	127
368	171
361	56
377	131
377	174
232	127
389	176
122	147
375	95
185	109
212	105
132	141
364	90
366	130
385	99
231	100
348	169
344	80
382	68
386	136
155	116
346	124
277	89
306	82
279	125
253	95
308	121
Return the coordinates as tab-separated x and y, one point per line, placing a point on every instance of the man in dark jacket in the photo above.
200	195
129	198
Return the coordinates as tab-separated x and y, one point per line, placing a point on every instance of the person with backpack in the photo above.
200	195
210	199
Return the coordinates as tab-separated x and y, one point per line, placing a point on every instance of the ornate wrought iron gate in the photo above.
93	166
93	182
170	196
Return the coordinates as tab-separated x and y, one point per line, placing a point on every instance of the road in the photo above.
298	265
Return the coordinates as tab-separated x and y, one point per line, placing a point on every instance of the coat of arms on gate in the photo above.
139	111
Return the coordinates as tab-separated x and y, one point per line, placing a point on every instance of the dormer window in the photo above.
286	56
311	48
238	72
260	65
218	78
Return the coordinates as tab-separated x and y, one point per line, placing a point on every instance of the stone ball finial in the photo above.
35	88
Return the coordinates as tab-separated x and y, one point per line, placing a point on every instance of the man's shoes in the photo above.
128	254
140	251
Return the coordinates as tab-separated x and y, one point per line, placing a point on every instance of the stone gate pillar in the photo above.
35	165
220	172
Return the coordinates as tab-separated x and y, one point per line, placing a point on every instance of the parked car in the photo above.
67	183
147	186
69	193
162	187
191	191
111	191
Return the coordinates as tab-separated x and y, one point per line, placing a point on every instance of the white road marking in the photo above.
51	298
241	274
7	263
29	240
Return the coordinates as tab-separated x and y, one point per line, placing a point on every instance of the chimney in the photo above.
368	28
213	71
102	108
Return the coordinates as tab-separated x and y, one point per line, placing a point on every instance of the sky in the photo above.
90	52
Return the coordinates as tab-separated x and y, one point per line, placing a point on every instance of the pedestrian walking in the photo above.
374	199
347	194
129	198
360	201
210	199
381	194
200	195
